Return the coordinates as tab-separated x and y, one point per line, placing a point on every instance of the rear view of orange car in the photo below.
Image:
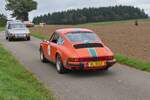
76	49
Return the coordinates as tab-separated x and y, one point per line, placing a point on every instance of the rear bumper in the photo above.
18	37
109	63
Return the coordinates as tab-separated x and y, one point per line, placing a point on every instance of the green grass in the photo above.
40	36
16	83
132	62
1	29
113	22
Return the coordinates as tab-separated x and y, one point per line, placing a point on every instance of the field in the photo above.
18	84
122	37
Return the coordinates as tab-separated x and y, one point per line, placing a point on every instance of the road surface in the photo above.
119	83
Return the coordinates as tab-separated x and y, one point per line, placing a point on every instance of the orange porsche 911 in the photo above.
76	49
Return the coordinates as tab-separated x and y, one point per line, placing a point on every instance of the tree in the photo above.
3	20
92	14
21	8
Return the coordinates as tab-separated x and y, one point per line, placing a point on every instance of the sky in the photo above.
49	6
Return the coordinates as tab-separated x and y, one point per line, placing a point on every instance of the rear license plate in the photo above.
97	64
20	35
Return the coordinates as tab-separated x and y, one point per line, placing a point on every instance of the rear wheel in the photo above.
59	65
28	38
10	39
6	38
42	57
105	69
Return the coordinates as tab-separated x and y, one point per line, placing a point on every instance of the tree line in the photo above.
3	20
86	15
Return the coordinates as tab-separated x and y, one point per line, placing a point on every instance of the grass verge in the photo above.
1	29
40	36
16	83
132	62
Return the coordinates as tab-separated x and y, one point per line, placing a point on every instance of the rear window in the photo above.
17	26
84	37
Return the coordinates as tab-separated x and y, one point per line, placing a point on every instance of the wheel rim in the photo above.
41	55
58	64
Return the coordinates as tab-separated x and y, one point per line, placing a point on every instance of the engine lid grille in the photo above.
97	58
87	45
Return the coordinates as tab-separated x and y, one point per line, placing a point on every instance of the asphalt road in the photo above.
119	83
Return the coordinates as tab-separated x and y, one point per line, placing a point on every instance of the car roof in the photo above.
15	22
69	30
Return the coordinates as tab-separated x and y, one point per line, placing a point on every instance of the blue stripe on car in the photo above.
92	51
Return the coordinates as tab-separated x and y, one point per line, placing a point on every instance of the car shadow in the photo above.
85	74
18	40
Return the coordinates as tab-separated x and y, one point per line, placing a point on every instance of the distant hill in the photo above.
86	15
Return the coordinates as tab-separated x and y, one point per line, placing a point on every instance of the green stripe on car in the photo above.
92	51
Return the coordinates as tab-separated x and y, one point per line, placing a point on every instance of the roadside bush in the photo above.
3	20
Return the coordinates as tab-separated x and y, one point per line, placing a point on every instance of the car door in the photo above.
53	46
47	48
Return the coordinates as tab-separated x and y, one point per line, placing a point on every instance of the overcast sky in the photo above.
49	6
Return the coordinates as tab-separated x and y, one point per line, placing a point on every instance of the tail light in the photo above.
73	60
90	59
109	58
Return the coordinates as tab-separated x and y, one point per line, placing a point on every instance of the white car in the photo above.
16	30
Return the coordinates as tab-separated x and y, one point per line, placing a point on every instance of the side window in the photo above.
9	26
54	37
60	41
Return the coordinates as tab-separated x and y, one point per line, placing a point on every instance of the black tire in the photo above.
42	57
6	38
105	69
10	39
59	65
28	38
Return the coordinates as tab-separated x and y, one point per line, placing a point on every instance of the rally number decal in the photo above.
49	50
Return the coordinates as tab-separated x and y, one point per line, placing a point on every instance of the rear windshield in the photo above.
17	26
83	37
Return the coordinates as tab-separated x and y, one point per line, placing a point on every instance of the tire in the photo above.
42	57
10	39
59	65
105	69
28	38
6	38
